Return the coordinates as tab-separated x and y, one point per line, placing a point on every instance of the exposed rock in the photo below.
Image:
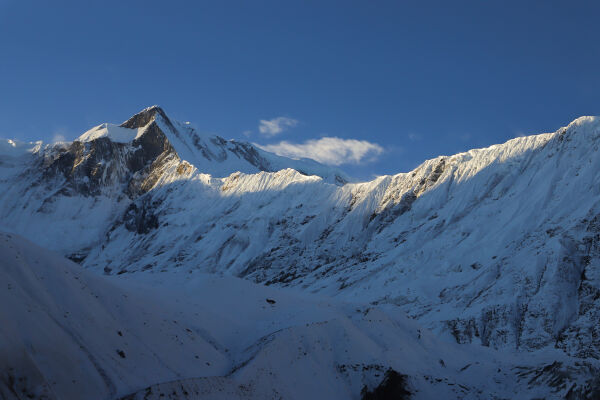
394	386
140	218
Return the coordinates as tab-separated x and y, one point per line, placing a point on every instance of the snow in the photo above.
16	148
71	334
113	132
217	157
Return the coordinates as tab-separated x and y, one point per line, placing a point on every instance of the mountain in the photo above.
83	184
212	155
496	247
68	333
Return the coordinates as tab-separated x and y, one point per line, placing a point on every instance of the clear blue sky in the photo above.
418	78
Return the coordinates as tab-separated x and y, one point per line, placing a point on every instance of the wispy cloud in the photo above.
58	137
275	126
465	137
328	150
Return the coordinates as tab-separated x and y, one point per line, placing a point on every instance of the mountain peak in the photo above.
129	130
152	129
145	116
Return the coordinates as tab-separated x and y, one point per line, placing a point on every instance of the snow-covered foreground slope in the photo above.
496	246
66	333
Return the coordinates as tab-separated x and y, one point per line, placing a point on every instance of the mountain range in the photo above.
151	240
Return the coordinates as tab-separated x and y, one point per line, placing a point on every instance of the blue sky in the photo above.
395	82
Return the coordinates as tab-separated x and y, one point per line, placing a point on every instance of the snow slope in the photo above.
69	334
114	133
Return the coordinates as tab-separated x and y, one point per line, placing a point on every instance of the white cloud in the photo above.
276	125
328	150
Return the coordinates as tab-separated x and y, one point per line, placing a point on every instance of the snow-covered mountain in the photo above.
497	246
75	189
70	334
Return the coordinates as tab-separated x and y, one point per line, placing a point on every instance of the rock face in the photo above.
90	168
497	246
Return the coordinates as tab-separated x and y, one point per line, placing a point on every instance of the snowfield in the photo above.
68	333
495	248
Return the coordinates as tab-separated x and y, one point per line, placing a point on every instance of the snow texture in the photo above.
68	333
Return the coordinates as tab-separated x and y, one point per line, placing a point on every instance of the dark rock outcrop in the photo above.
394	386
